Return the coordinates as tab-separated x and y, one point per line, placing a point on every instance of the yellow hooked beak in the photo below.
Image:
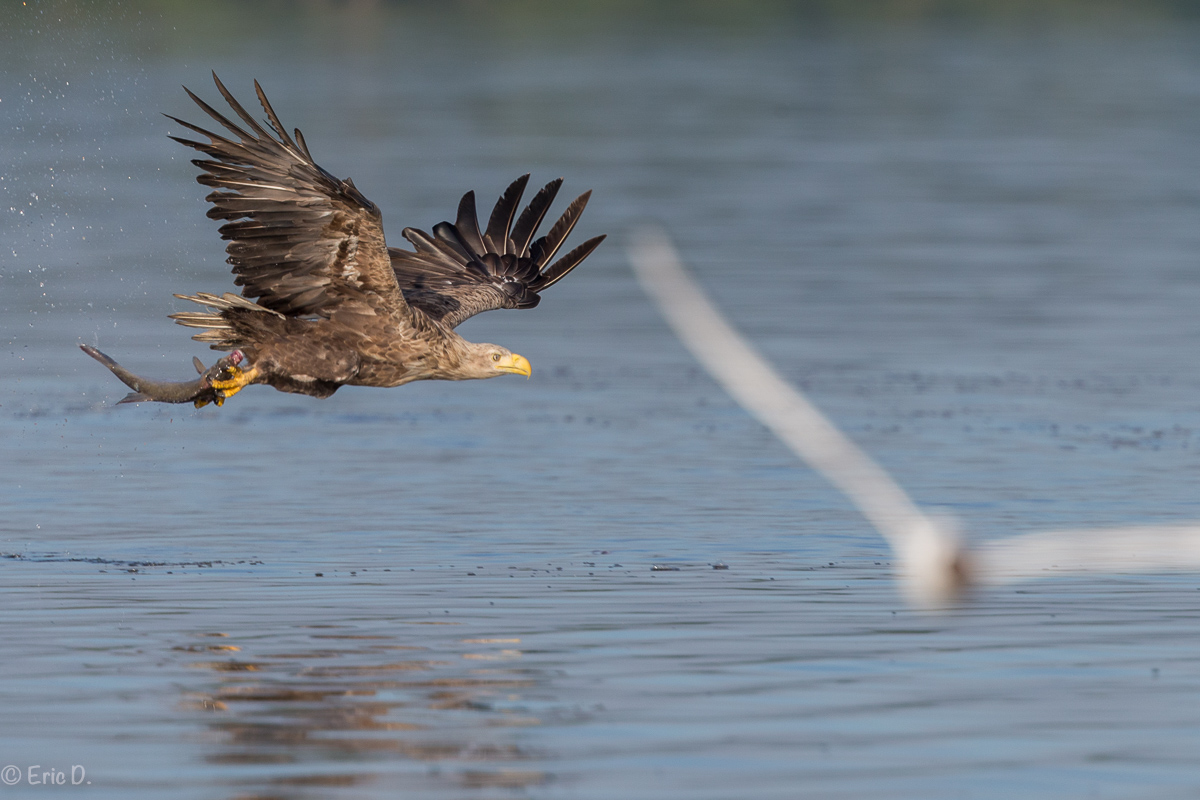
516	364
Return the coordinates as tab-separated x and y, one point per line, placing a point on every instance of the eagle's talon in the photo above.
230	377
231	380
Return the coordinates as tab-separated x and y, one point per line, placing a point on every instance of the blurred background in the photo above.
967	229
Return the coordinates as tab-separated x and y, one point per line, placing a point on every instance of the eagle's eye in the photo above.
495	356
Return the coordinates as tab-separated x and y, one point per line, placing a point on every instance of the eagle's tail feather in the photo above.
219	330
226	301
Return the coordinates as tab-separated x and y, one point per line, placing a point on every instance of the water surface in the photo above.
974	245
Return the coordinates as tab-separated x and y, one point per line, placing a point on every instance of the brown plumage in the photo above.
325	302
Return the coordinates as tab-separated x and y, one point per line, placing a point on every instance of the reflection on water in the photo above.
358	699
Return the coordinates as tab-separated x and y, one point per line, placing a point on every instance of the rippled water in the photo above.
975	246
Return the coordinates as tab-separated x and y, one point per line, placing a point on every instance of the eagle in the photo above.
324	301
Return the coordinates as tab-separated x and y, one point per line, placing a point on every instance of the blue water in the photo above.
974	246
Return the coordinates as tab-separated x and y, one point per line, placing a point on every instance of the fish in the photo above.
199	392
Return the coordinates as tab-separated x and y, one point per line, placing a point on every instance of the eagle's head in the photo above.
491	360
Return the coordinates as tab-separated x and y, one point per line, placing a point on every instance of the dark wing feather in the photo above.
468	224
546	247
496	237
534	213
302	242
458	272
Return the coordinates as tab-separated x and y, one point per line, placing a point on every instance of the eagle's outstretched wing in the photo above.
460	271
301	242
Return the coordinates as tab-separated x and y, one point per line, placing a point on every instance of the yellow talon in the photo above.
238	379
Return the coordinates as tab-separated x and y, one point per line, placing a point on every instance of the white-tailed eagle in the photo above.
325	302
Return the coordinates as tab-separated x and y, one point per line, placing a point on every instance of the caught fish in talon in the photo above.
232	379
325	302
200	392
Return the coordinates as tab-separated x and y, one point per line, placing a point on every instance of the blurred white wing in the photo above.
933	564
1143	548
928	549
